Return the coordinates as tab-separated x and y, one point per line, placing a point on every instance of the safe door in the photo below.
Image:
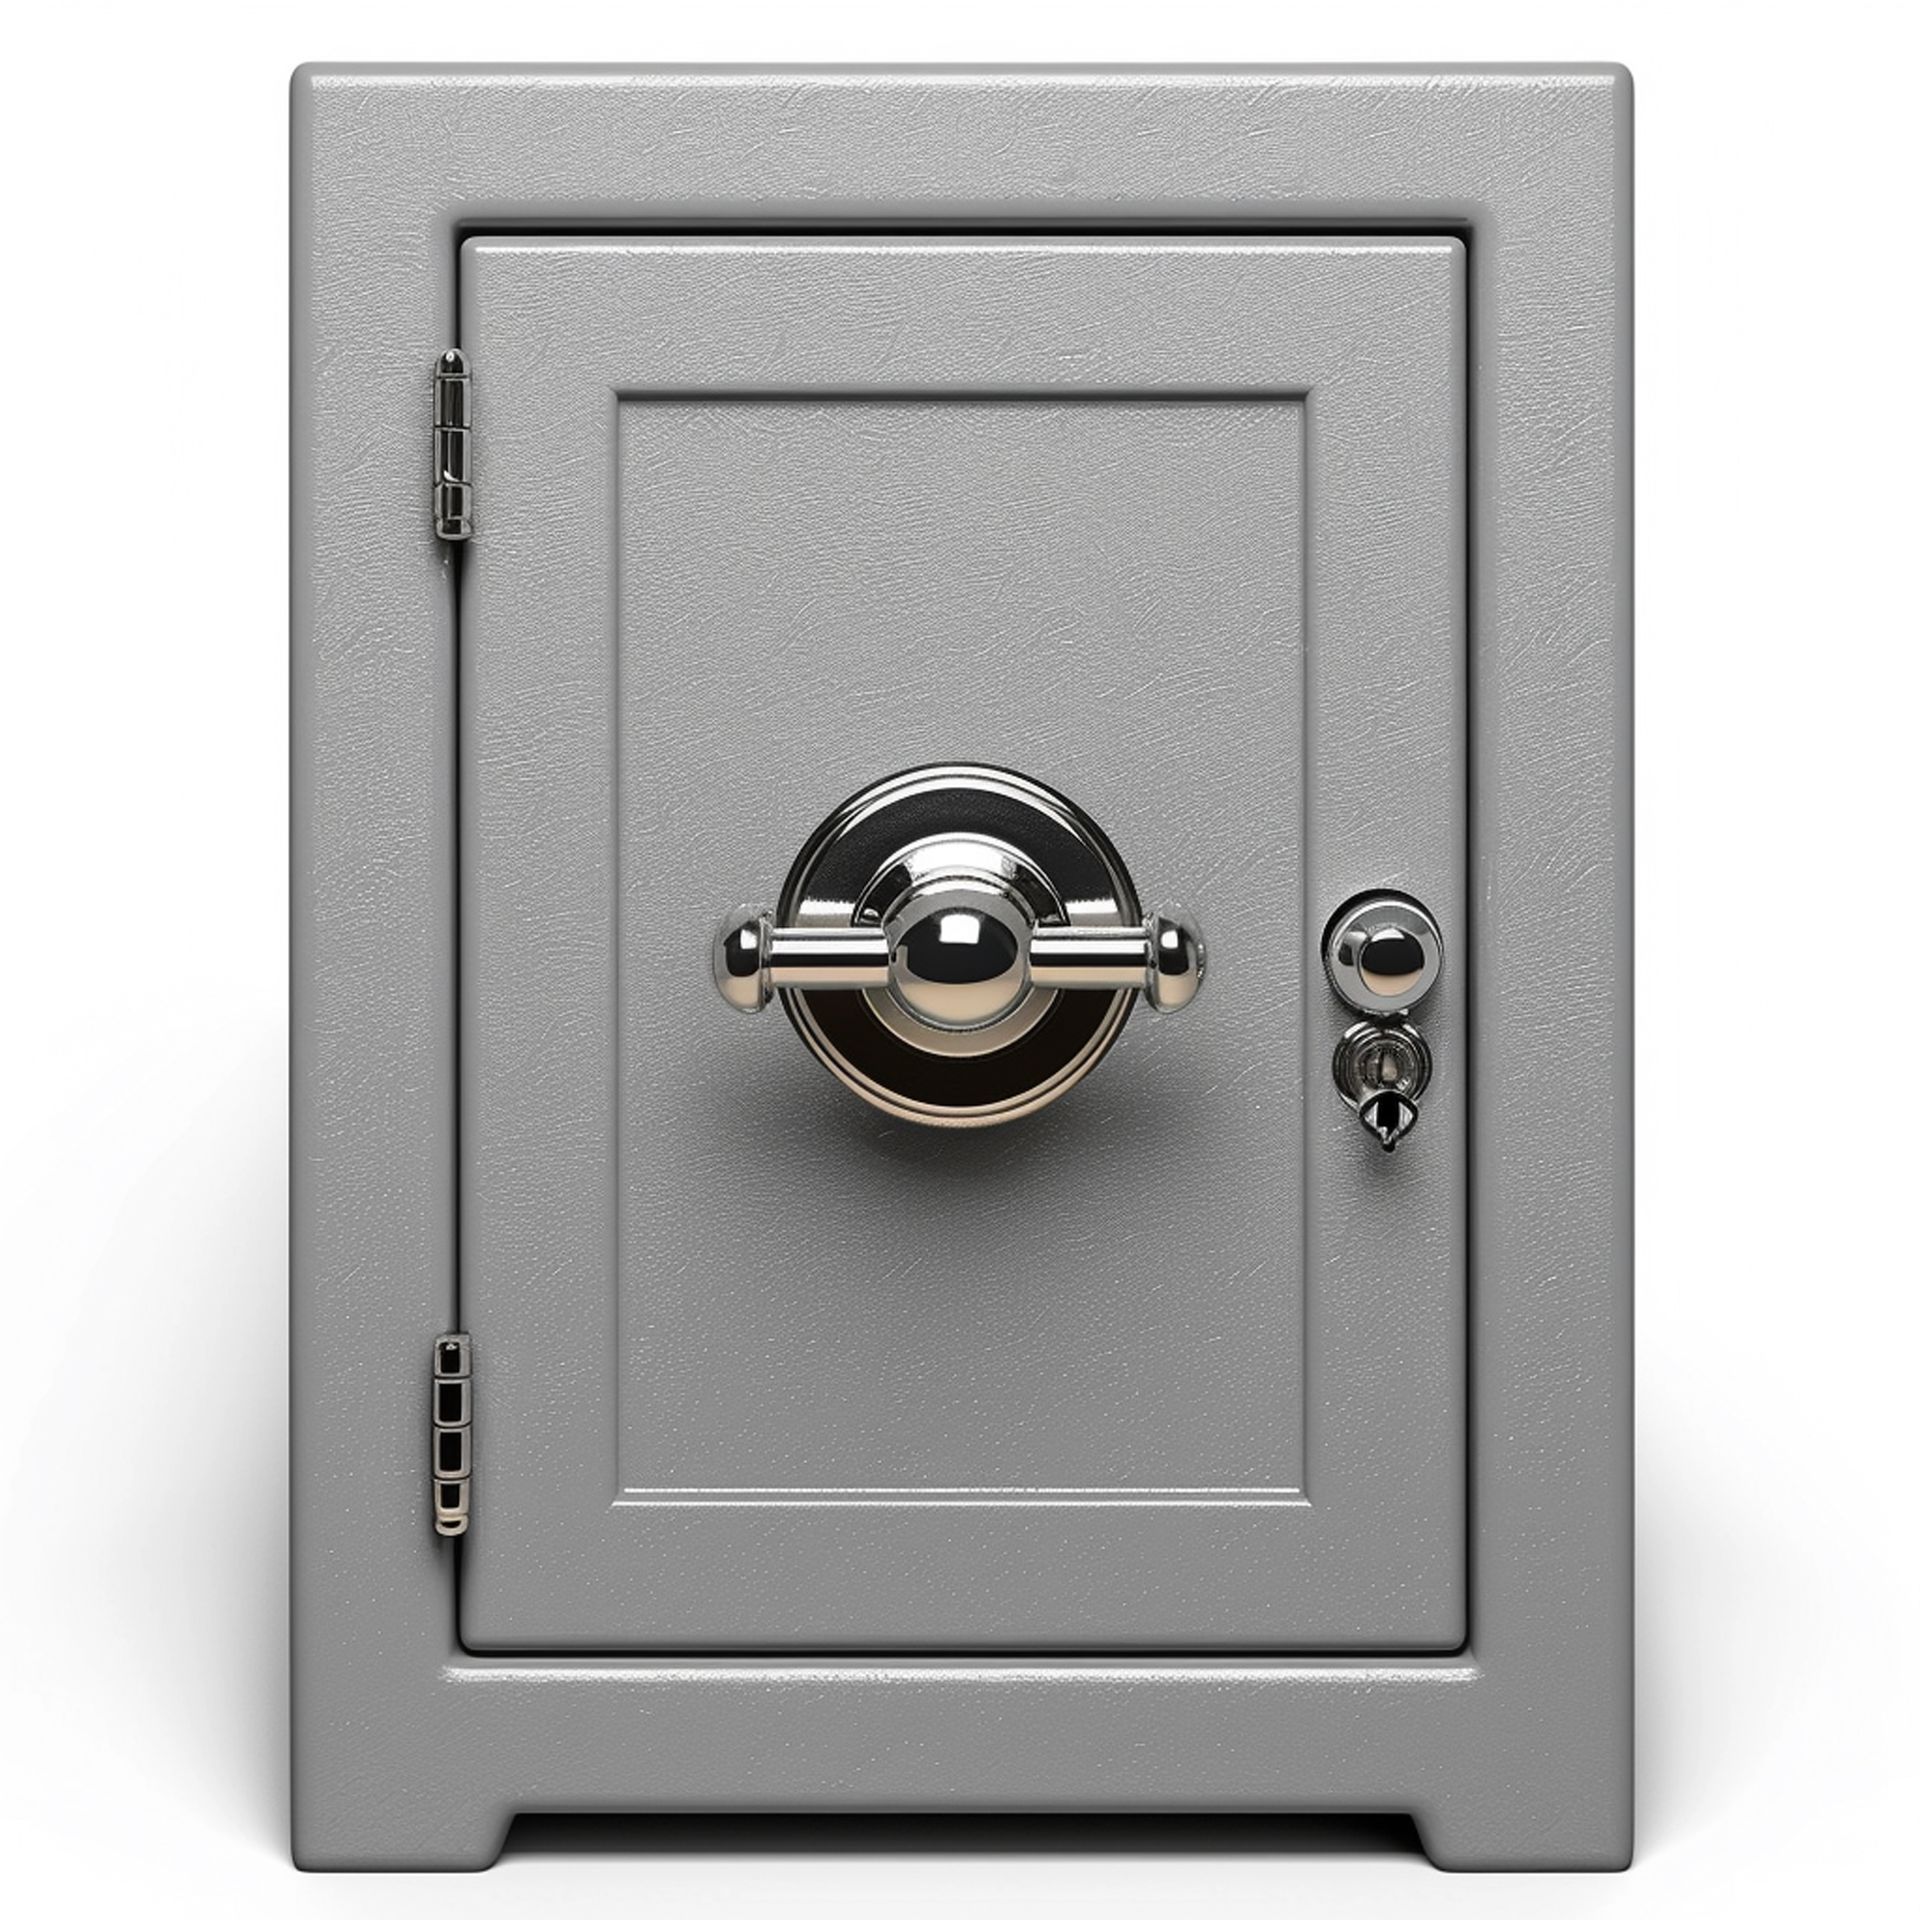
1143	1344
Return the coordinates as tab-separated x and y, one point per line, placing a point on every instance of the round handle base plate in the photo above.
953	1039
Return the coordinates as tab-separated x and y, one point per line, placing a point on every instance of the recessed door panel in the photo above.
1171	526
886	1312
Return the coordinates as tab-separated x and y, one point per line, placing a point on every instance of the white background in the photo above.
143	950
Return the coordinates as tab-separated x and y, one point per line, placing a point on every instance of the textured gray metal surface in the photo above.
1514	1752
1177	1363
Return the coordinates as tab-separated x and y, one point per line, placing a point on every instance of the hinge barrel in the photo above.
450	1439
452	446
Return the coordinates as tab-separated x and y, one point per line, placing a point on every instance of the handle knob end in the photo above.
740	951
1178	961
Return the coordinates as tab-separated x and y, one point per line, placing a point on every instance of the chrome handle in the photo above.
1163	958
959	945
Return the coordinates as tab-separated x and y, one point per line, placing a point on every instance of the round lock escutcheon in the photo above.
1383	956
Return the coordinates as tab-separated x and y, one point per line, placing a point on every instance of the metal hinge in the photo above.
452	446
451	1411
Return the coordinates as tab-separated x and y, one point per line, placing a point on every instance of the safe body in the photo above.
1261	487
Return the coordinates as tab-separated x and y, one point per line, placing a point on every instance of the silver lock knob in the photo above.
959	945
1383	953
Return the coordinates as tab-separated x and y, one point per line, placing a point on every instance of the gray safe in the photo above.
1103	597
